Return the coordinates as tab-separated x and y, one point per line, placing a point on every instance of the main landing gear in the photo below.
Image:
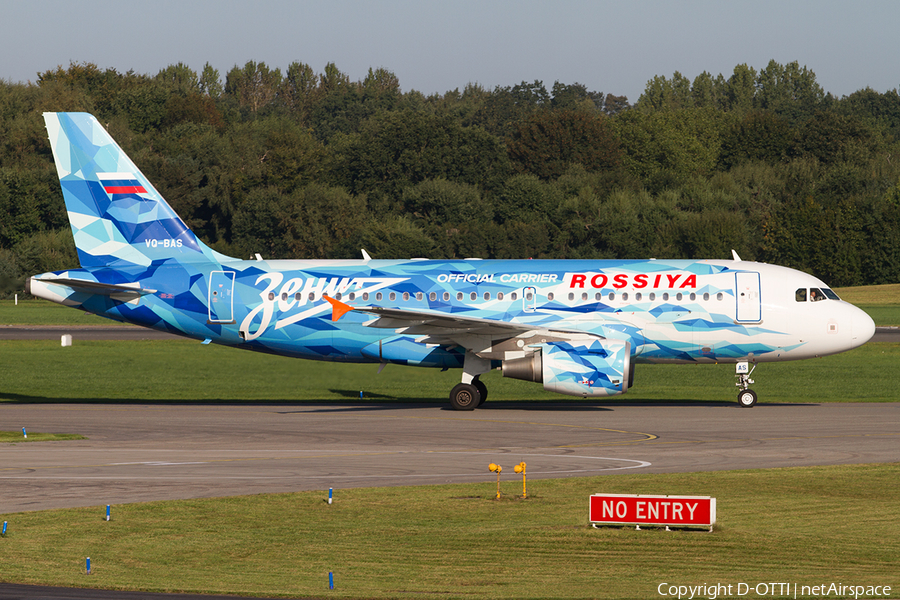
468	396
471	393
746	397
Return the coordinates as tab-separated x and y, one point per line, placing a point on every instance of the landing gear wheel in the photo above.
482	390
747	398
464	397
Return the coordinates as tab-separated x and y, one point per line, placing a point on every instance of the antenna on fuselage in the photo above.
365	254
735	255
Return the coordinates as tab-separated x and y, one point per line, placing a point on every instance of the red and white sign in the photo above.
631	509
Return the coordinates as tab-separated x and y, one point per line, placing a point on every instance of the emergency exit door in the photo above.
221	297
749	303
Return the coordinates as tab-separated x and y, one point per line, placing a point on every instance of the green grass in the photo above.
882	302
17	437
803	525
185	371
43	312
871	294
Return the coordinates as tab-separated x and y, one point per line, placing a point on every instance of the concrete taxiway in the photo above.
136	453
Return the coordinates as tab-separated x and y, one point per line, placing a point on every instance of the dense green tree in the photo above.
209	83
789	90
547	143
758	136
395	150
314	165
507	105
666	148
254	86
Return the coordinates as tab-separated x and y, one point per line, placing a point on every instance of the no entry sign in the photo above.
631	509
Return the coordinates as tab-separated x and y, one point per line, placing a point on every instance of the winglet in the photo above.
338	308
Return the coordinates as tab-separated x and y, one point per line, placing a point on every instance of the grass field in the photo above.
186	371
804	525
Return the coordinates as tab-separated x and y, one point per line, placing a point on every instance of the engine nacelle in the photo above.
591	368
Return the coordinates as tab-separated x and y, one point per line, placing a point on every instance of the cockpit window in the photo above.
815	294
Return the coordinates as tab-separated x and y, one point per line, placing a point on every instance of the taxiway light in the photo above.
4	528
496	469
520	468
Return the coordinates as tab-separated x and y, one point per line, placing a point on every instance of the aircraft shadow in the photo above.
375	402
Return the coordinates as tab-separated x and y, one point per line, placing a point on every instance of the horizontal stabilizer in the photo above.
91	287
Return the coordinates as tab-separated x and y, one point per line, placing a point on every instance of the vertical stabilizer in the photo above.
118	218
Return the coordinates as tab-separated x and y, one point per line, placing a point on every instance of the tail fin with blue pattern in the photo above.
118	218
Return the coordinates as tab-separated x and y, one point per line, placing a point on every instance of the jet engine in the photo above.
597	367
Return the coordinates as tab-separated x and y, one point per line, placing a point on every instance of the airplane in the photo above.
579	327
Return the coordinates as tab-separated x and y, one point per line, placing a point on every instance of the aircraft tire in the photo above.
482	391
464	397
747	398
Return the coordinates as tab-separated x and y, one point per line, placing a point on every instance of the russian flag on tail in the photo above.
120	183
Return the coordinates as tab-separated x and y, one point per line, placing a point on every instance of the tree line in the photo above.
299	164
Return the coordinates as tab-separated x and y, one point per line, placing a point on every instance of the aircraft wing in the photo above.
449	329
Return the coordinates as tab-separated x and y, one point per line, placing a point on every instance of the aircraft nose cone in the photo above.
862	327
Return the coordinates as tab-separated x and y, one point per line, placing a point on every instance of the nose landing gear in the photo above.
746	397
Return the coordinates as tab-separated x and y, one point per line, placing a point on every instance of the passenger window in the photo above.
693	296
352	296
584	296
419	296
719	296
499	295
337	296
513	296
487	295
393	296
678	296
800	295
612	295
473	296
406	296
446	296
571	296
638	297
625	296
379	296
665	296
705	296
365	296
432	296
598	296
528	296
652	296
459	295
549	296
